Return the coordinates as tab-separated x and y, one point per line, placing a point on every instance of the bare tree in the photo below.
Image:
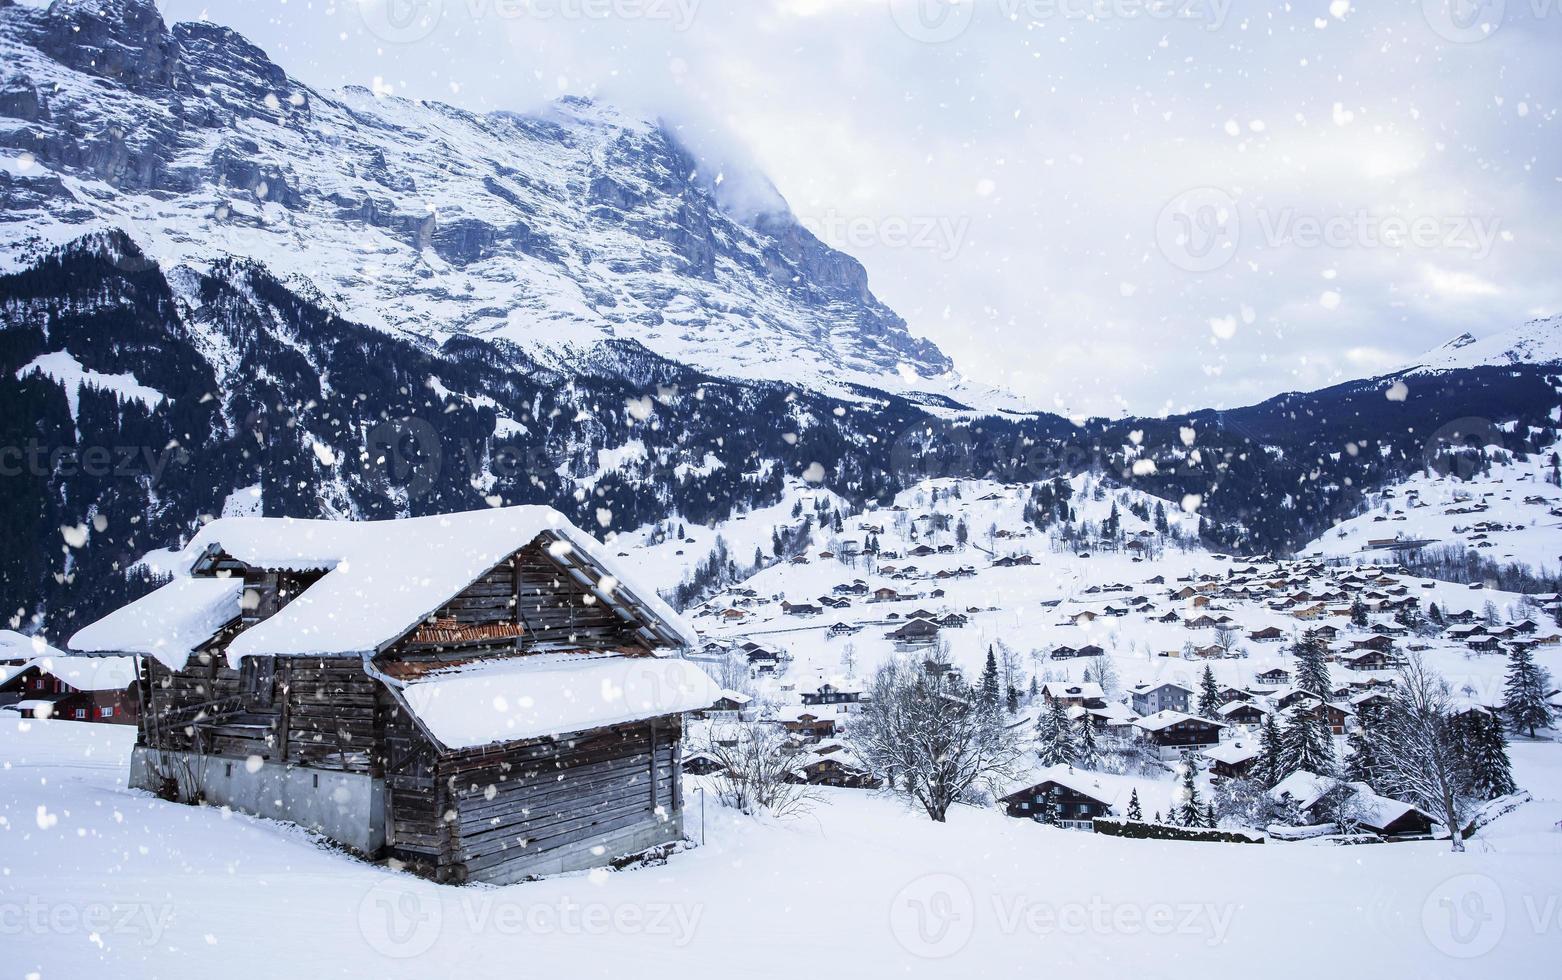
1227	639
926	733
732	672
1424	757
758	771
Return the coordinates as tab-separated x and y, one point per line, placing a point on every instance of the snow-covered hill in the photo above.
554	231
1506	509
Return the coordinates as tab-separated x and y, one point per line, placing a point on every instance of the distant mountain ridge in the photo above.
553	232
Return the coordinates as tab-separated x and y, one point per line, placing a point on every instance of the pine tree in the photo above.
1312	672
1270	754
1134	813
989	684
1305	744
1486	754
1524	699
1189	811
1209	695
1210	820
1013	701
1054	736
1086	755
1358	612
1367	762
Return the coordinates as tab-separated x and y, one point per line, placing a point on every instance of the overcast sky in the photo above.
1168	204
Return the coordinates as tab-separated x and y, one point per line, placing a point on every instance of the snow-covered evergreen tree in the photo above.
1366	762
1271	750
1209	695
1524	698
989	683
1134	813
1190	811
1055	736
1086	755
1312	670
1485	749
1305	743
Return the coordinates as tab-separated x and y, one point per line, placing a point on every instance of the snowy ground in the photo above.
94	877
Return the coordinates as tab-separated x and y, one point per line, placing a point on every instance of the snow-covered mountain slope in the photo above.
1536	342
554	231
1503	508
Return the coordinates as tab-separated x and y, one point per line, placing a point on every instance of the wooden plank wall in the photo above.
511	804
321	711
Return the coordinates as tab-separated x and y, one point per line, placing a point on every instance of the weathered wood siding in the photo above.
310	711
517	804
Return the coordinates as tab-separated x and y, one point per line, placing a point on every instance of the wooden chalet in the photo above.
476	696
1172	732
1059	795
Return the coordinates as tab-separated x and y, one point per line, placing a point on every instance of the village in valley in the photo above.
1141	678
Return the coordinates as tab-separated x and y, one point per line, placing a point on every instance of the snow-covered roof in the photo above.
552	694
1376	812
1168	718
1147	687
90	673
167	624
382	579
1072	689
16	646
1232	753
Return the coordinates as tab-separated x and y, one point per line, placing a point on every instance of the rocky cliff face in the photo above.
554	232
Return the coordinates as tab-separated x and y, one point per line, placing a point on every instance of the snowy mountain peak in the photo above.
1536	342
557	231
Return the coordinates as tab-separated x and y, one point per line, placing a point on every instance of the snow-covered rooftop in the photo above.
382	579
168	624
551	694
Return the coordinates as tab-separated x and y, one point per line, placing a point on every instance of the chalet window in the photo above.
81	714
257	677
108	712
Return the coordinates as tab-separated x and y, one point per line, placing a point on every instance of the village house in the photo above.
1167	696
1060	795
1388	818
833	693
73	688
1172	732
914	635
480	697
1072	694
1233	760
